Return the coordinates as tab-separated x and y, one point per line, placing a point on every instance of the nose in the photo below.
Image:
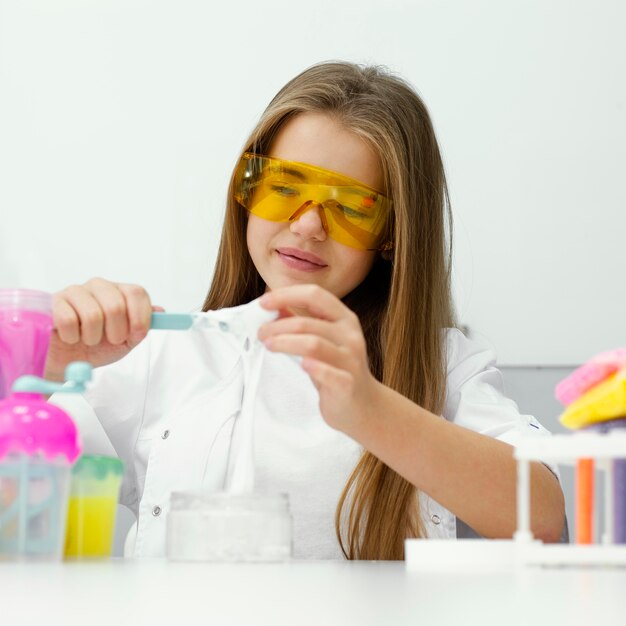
309	222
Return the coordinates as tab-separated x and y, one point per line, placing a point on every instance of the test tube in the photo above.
619	501
584	501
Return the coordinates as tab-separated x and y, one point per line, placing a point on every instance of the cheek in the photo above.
356	266
258	234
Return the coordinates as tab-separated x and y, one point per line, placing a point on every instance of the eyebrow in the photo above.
292	172
362	192
298	174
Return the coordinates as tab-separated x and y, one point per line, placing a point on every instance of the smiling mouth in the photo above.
293	259
292	256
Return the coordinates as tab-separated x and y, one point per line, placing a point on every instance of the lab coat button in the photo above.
166	434
435	519
156	511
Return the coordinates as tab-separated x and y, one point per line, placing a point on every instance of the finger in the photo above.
139	311
89	313
302	325
113	305
66	320
310	346
318	301
326	376
344	333
285	313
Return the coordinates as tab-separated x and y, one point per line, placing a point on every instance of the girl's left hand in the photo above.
333	348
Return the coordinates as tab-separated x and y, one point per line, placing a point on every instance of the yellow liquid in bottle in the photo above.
90	523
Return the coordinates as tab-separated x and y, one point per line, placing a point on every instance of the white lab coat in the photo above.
169	411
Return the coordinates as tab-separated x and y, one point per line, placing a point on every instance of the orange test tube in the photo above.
584	501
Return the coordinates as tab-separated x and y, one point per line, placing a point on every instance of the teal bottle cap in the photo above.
96	466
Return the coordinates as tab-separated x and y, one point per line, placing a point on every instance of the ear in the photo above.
386	251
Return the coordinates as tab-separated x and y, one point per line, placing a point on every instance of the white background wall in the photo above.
120	121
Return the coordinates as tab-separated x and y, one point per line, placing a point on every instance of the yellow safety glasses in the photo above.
281	191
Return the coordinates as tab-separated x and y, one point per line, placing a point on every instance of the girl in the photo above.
336	215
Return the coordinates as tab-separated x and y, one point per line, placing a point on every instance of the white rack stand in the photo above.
524	550
566	450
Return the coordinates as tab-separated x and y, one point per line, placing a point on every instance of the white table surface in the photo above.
302	593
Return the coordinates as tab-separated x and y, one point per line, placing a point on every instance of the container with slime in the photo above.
92	507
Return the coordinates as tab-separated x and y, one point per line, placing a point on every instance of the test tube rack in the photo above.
603	448
506	555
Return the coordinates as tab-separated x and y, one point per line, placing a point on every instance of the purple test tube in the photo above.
619	481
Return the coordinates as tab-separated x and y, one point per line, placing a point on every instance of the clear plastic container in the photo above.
228	527
33	506
92	508
39	443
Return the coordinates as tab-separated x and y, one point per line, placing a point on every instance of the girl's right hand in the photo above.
99	322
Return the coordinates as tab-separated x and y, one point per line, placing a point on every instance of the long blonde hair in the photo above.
404	302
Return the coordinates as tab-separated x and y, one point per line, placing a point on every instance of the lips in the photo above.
296	253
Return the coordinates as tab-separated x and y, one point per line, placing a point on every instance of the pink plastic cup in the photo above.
25	329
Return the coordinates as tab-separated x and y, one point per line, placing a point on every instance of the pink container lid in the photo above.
30	425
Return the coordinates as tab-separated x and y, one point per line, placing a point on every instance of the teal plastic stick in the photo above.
171	321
